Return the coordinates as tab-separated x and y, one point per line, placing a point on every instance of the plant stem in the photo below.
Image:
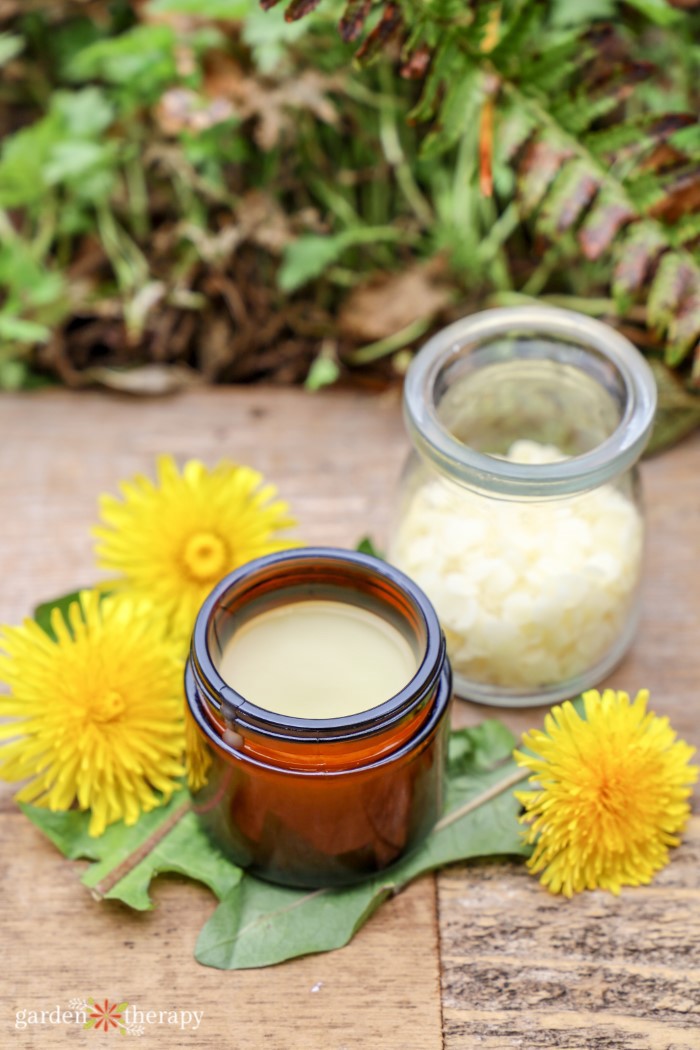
396	158
514	778
129	863
138	195
388	345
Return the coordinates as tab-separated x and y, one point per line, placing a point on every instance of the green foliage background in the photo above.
209	186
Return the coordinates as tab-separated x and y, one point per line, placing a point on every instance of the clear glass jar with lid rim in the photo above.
520	510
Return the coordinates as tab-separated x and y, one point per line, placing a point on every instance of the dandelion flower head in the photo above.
96	710
197	756
610	793
172	540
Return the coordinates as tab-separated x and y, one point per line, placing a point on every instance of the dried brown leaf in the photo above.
152	380
353	20
171	335
631	73
273	106
218	347
218	284
667	123
674	280
638	255
387	28
415	67
224	77
674	305
180	109
215	247
681	197
612	67
269	104
602	224
310	92
609	48
662	157
264	221
57	9
576	203
684	329
652	135
258	218
389	303
572	194
87	259
539	167
298	8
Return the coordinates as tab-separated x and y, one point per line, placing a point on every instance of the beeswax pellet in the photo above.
528	593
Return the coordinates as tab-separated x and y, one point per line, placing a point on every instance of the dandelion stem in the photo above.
129	863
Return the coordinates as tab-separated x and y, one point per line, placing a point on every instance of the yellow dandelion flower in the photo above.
197	757
172	541
97	711
611	793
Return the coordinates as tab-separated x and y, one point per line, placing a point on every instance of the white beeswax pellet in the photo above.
528	593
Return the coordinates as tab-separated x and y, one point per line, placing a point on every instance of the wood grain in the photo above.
519	968
335	459
522	969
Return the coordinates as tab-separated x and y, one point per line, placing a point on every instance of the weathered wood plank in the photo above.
520	969
524	969
335	459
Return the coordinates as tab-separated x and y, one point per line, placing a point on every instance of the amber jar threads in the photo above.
321	800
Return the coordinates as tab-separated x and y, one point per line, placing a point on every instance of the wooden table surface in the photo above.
479	957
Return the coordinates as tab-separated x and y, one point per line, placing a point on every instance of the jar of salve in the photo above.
319	687
520	511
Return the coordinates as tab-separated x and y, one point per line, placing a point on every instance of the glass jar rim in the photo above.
413	744
617	453
250	717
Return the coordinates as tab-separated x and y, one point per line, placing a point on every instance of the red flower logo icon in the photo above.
106	1016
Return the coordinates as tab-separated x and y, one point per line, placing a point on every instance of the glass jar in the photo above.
520	512
324	801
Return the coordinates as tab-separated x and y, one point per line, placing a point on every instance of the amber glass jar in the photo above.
325	801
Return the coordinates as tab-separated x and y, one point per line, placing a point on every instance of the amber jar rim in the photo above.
245	716
414	745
